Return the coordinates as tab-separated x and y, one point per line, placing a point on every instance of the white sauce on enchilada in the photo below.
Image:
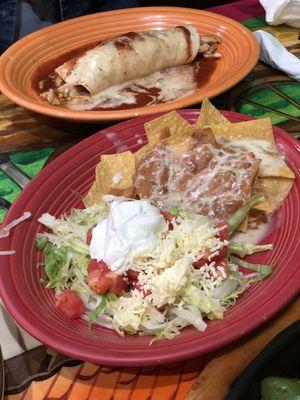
137	69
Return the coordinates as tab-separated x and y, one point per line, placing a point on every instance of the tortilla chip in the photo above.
275	190
168	125
169	129
243	227
139	154
177	147
256	129
282	171
114	175
210	116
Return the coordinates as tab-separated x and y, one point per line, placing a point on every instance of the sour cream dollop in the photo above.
131	229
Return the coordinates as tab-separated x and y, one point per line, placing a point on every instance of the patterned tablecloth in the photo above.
28	142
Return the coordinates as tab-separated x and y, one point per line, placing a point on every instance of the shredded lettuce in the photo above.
231	298
56	265
89	216
194	296
190	315
178	296
236	218
227	287
97	311
181	213
41	242
243	249
128	313
66	252
263	270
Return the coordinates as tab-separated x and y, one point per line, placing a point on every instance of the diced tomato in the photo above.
199	263
132	275
70	304
119	283
168	217
99	283
140	288
223	234
95	265
101	279
89	236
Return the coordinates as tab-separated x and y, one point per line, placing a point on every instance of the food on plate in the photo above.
154	250
137	68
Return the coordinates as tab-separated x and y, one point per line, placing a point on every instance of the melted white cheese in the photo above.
173	83
271	159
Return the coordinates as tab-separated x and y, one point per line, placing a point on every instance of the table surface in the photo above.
29	141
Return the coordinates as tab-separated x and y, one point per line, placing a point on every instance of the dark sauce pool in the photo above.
202	68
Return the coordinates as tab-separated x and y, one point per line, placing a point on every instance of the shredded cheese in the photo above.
7	252
165	271
5	230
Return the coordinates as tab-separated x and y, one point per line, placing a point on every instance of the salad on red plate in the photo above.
155	248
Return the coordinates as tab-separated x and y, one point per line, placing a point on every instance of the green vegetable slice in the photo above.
97	311
263	270
41	242
235	220
244	249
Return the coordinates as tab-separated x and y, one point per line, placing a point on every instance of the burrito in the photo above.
131	56
153	66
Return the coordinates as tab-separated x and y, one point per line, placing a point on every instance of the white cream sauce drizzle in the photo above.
197	191
173	83
271	160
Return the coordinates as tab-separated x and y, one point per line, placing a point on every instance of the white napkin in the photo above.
272	52
282	12
13	339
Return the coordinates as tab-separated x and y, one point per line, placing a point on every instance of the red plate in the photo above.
52	191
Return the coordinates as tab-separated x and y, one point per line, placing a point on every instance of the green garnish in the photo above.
41	242
263	270
97	311
235	220
244	249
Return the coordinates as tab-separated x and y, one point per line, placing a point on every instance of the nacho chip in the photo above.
275	190
210	116
177	147
169	129
139	154
256	129
171	124
253	135
114	175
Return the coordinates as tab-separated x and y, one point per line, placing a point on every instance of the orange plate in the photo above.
19	63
